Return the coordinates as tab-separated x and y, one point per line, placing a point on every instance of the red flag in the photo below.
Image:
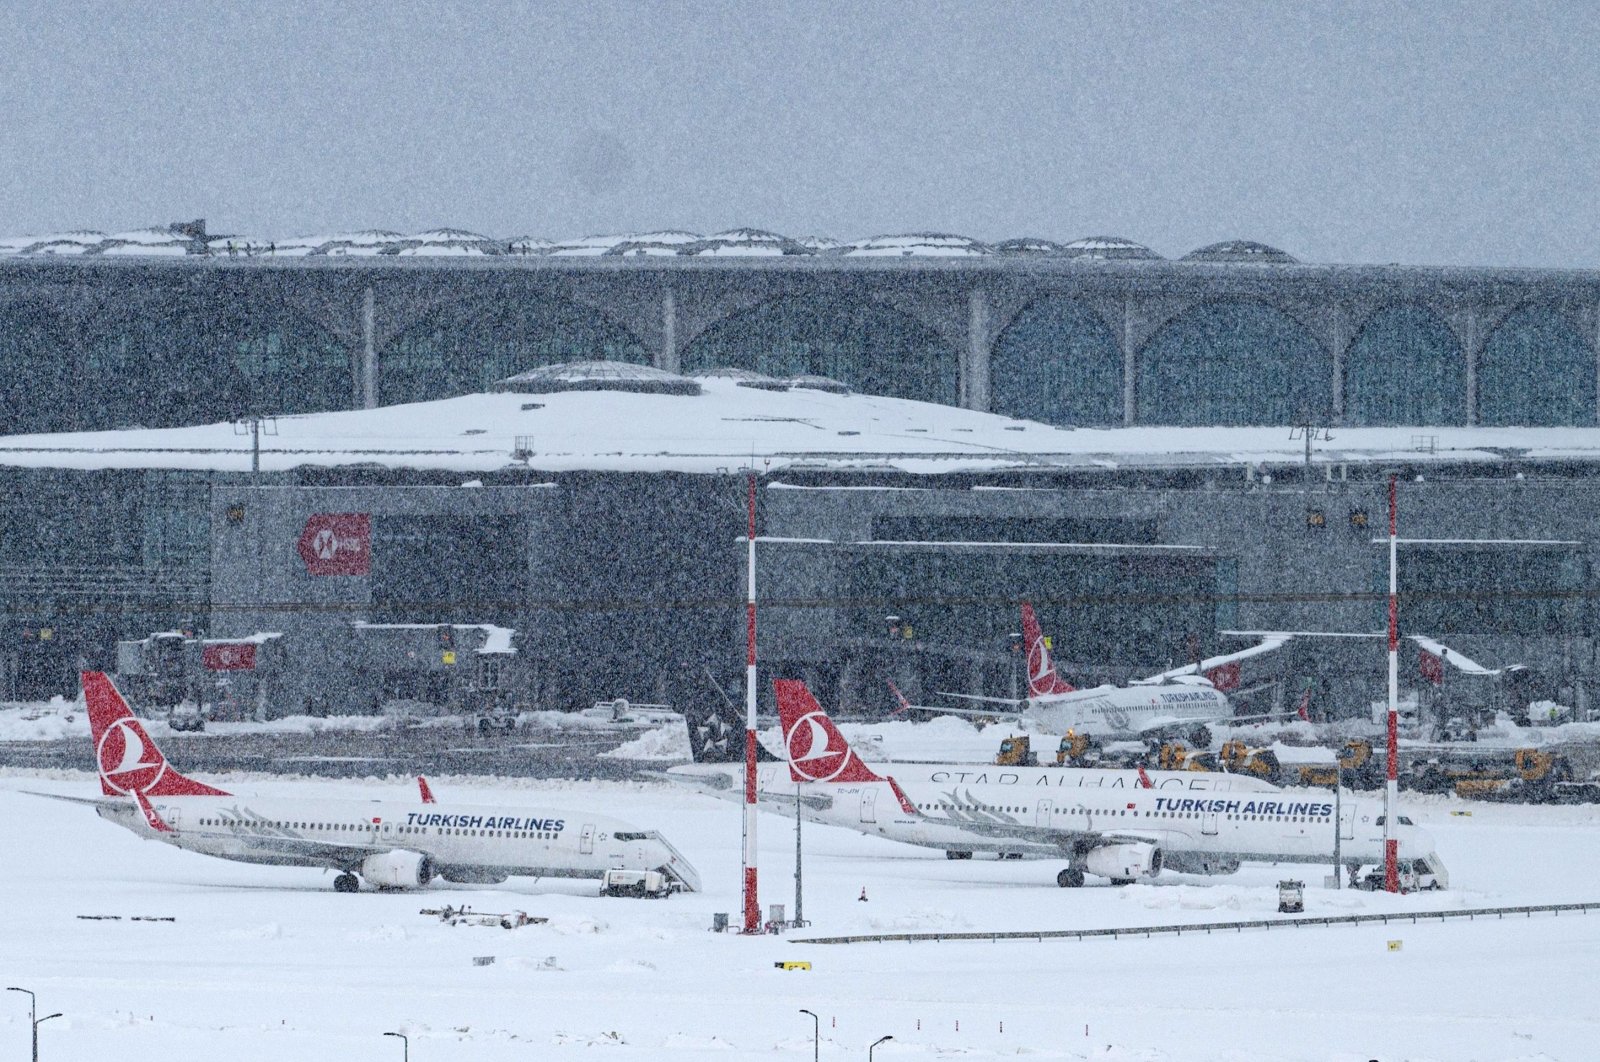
1305	705
1432	668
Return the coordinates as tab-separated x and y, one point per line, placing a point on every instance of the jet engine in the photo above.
1195	863
397	870
1124	862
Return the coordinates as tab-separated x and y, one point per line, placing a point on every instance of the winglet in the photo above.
817	751
1042	678
1144	779
427	794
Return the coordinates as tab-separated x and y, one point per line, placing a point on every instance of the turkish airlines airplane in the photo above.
391	844
718	749
1178	703
1126	835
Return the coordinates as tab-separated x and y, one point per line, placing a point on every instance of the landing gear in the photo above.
1070	879
948	854
1122	881
1200	738
347	882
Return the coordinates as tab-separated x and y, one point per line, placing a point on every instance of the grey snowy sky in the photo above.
1344	132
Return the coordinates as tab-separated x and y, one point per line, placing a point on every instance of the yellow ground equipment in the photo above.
1074	747
1239	758
1016	752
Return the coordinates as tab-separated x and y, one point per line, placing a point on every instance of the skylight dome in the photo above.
1240	251
743	377
598	376
1115	248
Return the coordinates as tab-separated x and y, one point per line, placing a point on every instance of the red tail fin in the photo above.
901	704
817	751
1042	677
129	761
427	794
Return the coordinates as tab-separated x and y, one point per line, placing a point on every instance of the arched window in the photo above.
1233	362
463	348
872	348
1536	370
1405	367
1057	362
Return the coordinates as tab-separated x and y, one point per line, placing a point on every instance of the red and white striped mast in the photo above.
1391	792
752	905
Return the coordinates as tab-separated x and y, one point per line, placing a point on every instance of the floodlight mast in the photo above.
1391	867
752	904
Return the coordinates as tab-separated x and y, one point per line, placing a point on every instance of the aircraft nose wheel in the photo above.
346	883
1070	879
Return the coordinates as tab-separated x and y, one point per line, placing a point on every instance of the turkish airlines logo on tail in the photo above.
817	751
1042	677
129	761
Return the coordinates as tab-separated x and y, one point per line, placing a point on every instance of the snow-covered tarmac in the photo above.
269	963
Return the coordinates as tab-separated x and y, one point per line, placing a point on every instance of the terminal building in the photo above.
1164	455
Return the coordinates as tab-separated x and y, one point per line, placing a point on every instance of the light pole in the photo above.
816	1032
875	1044
33	1021
405	1045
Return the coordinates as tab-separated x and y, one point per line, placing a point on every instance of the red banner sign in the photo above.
337	544
228	656
1225	677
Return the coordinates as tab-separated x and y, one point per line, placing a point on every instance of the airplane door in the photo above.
1208	823
1347	822
869	805
1041	814
586	840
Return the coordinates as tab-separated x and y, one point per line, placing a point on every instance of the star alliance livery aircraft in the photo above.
389	844
1126	835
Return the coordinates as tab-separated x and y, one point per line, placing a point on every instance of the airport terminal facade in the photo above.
909	577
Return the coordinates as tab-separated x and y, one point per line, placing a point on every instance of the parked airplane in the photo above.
717	746
1126	834
391	844
1177	703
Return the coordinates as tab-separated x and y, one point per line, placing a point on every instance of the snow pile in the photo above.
667	743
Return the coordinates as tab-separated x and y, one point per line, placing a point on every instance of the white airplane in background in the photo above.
1179	703
390	844
1126	834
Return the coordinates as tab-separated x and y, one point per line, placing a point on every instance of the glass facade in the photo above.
1405	366
1520	590
1233	362
1057	362
39	389
1536	370
463	348
197	361
872	348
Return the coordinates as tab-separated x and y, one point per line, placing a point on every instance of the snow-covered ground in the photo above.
269	963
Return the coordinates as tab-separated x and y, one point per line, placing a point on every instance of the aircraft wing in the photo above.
93	802
1066	840
1268	644
1014	706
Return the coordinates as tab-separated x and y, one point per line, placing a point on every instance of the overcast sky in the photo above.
1420	132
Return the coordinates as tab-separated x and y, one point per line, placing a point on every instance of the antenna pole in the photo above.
752	905
1391	791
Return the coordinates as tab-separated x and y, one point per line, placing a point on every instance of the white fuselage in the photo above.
463	843
1279	826
954	783
1128	710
